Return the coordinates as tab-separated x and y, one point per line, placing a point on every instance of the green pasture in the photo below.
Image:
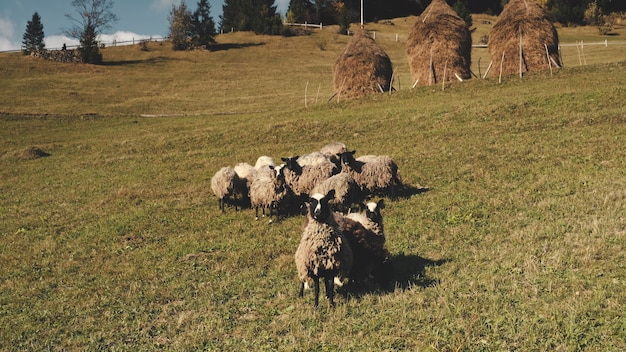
509	236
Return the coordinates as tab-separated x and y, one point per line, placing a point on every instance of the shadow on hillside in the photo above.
406	271
154	60
407	191
409	271
229	46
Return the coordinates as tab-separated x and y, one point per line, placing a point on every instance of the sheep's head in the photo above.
318	206
292	163
372	211
347	158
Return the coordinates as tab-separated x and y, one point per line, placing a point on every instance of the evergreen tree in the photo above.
302	11
203	27
88	49
463	12
33	37
180	26
259	16
94	16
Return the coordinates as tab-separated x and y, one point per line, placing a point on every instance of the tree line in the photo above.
193	29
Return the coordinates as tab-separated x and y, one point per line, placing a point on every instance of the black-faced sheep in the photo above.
226	185
365	233
346	191
301	179
375	174
323	251
268	191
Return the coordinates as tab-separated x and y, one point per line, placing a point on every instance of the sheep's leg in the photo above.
221	205
316	280
301	294
330	290
256	213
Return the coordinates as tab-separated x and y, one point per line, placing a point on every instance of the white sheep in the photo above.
264	160
346	191
301	179
268	191
323	251
225	184
333	151
246	173
375	174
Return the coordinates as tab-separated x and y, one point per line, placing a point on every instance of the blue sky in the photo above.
137	19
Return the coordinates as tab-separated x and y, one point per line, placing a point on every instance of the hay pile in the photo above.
527	20
362	69
439	46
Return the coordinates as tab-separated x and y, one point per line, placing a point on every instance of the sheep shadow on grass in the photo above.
410	271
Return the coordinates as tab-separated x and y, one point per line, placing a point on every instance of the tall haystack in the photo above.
524	37
363	68
439	46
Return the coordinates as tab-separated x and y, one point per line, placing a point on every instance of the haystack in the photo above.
362	69
524	37
439	46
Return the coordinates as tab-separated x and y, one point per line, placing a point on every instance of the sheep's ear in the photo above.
381	204
352	152
330	194
284	159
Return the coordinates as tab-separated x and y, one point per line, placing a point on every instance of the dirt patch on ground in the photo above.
29	153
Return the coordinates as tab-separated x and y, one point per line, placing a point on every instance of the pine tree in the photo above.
180	26
463	12
33	37
259	16
203	27
88	49
94	16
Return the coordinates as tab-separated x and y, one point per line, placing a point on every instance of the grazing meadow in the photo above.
509	234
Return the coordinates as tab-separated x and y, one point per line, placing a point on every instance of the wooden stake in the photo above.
306	88
391	82
501	63
415	84
488	68
548	58
521	55
443	81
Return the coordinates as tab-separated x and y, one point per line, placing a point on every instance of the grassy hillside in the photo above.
114	241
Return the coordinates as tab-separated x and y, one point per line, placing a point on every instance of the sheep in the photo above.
346	191
365	233
268	191
374	174
226	184
314	159
264	160
301	179
323	251
246	173
333	151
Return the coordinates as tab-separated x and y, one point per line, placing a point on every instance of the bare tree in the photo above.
94	17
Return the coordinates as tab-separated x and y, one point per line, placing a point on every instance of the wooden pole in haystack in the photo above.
501	63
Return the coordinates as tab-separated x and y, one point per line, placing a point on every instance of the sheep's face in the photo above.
319	209
372	210
292	163
347	158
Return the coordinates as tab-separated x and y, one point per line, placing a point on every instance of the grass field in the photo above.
115	242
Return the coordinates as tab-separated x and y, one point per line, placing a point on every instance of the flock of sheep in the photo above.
337	245
283	188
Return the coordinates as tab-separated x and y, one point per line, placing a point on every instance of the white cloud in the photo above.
56	41
7	32
163	5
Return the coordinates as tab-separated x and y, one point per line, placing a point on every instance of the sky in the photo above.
137	19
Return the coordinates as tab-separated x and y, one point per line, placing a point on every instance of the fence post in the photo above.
396	36
374	33
606	43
